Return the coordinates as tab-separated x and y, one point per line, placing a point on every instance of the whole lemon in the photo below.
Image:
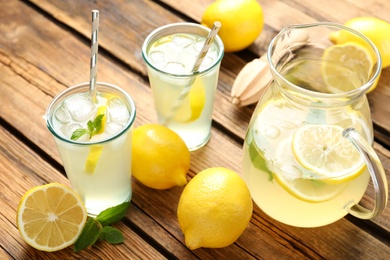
160	158
377	30
214	208
242	22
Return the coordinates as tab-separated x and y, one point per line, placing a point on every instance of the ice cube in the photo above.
207	62
199	45
100	137
157	56
62	115
118	111
68	129
113	128
80	107
174	68
182	41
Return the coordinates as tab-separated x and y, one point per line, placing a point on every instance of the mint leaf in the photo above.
97	124
88	236
78	133
113	214
93	127
258	160
112	235
90	127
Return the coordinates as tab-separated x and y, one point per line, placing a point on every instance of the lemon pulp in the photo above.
50	217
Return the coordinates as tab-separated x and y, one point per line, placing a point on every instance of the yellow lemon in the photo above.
242	22
193	104
347	66
160	158
51	217
377	30
214	208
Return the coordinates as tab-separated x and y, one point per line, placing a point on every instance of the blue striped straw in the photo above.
94	54
206	46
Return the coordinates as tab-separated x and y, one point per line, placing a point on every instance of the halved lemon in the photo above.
51	217
346	67
323	150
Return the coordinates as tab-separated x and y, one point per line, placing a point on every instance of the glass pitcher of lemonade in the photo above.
308	154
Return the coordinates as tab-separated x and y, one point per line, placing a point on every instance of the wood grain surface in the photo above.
45	48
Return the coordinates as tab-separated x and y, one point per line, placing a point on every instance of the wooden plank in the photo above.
161	205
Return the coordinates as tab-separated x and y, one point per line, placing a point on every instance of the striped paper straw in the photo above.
198	62
94	54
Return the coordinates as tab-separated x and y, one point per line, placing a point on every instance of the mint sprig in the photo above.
93	127
99	228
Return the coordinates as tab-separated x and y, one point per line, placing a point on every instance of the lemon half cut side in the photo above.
51	217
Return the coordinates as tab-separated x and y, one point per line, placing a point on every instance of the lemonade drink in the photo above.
294	194
170	53
98	165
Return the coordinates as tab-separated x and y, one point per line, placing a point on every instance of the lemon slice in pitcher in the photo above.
323	150
299	182
346	67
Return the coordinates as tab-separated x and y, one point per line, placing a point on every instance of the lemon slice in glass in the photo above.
346	67
323	150
193	105
96	150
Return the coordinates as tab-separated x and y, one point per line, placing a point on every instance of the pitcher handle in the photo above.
377	173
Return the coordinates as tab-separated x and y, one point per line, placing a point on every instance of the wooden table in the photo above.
45	47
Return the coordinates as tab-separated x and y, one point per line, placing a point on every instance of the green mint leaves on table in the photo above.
93	128
99	228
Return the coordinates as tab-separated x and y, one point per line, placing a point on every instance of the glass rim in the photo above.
51	108
170	29
299	89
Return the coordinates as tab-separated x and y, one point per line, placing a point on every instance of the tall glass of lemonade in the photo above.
93	137
170	53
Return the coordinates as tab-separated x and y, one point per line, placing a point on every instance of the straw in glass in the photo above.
94	54
207	44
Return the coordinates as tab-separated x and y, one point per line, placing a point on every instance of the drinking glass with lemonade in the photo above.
94	137
170	53
307	153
